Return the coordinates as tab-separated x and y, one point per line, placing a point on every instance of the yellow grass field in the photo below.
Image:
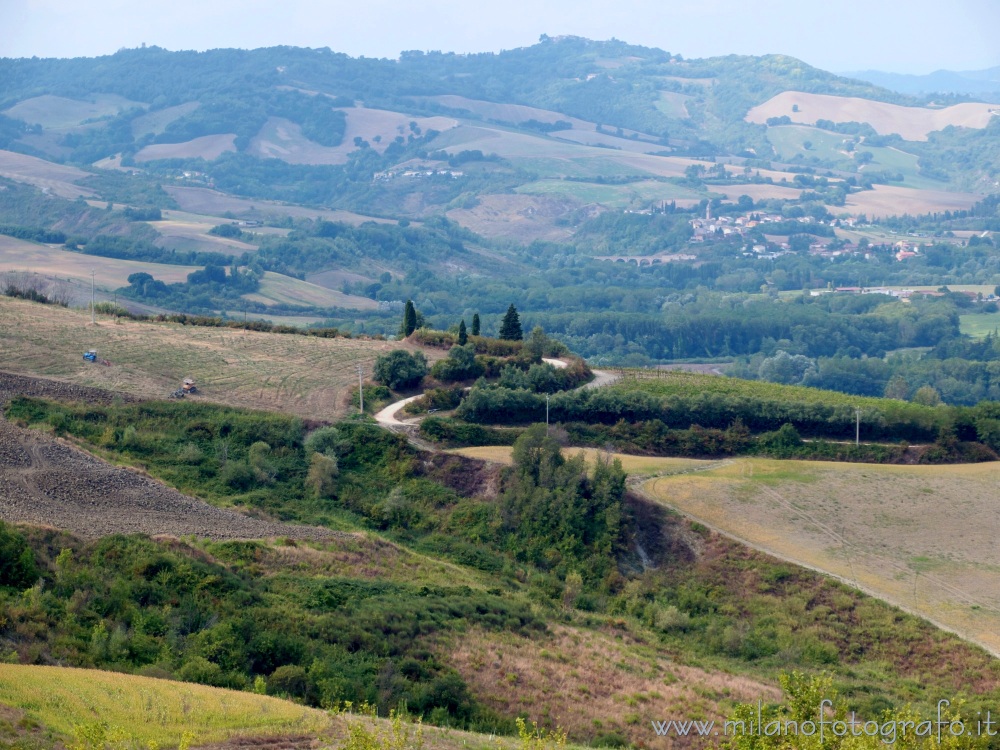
646	465
307	376
524	217
156	122
183	231
149	710
282	139
55	178
912	123
208	147
921	537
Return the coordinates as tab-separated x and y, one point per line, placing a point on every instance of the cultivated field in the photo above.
47	176
60	113
616	196
307	376
208	147
921	537
19	255
156	122
912	123
892	200
979	324
673	104
512	113
46	482
278	289
208	202
283	139
646	465
147	710
183	231
759	192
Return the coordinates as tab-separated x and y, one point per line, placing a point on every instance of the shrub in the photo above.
460	364
400	369
17	561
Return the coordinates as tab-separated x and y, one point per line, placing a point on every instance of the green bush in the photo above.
400	369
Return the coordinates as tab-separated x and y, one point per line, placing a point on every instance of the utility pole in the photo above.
93	299
361	386
857	425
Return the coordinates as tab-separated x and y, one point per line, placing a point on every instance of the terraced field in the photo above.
302	375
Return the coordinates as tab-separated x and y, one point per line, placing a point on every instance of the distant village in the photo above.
752	225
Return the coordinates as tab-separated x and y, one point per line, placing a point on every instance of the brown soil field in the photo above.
892	200
590	138
302	375
206	202
206	147
912	123
575	677
920	537
525	218
54	178
48	482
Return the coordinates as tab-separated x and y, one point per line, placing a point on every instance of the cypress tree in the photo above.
409	319
475	323
463	337
510	328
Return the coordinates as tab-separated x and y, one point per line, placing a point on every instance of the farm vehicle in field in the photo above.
91	356
187	388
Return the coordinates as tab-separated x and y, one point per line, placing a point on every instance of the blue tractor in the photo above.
90	356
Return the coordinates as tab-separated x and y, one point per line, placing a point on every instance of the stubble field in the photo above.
921	537
307	376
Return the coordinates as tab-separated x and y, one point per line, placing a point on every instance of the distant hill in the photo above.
970	82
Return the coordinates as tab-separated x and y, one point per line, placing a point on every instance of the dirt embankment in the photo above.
47	482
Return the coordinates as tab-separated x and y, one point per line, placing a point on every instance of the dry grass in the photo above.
913	123
54	178
149	710
19	255
921	537
301	375
156	122
208	147
893	200
646	465
278	289
595	682
757	192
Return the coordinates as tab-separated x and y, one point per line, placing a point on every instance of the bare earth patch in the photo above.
921	537
522	217
208	147
893	200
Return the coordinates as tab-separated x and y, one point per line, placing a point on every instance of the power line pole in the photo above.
361	386
857	426
93	299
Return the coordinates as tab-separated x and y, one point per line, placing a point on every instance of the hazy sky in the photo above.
903	36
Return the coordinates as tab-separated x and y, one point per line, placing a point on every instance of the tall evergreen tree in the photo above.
475	323
510	327
409	319
463	336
